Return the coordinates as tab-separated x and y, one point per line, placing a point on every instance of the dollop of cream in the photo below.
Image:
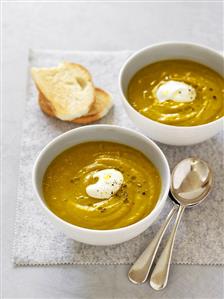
176	91
109	182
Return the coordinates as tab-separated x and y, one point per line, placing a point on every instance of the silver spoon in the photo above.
191	183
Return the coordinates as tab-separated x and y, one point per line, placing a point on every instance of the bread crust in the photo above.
45	105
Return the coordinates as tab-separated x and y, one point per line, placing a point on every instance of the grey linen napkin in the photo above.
37	242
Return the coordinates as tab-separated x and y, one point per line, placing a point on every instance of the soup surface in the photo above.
193	93
69	174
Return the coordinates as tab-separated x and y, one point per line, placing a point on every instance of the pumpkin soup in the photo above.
178	92
101	185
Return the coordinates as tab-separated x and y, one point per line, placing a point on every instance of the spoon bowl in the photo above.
191	181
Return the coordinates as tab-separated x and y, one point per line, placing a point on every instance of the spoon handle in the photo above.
159	277
138	273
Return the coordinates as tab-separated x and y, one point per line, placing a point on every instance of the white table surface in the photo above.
91	26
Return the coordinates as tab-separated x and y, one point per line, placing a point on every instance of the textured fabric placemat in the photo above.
200	236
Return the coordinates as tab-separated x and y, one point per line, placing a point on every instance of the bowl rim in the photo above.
59	138
144	49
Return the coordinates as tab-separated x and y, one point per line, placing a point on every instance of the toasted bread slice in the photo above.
99	109
68	89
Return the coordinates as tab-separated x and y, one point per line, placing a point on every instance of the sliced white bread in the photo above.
68	89
99	109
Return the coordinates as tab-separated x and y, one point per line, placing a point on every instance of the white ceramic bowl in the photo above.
174	135
102	133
